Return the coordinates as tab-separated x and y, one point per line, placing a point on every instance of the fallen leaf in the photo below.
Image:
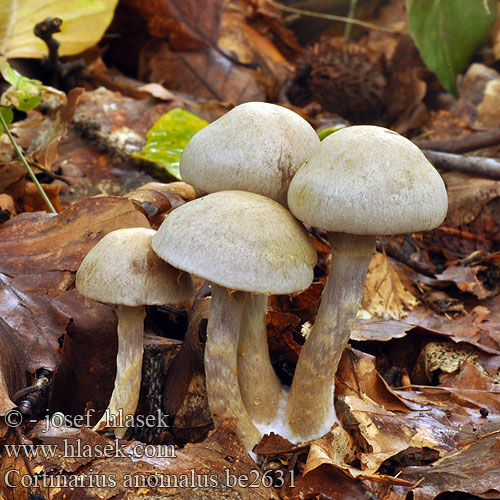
406	88
473	469
12	367
384	295
13	463
33	201
204	73
43	149
37	325
167	139
340	451
39	242
188	25
83	25
185	395
159	199
441	357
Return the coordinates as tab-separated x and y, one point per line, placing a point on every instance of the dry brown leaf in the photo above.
32	200
249	46
185	395
470	376
12	367
384	294
203	73
10	173
37	325
473	470
158	199
340	451
43	150
190	24
7	207
357	374
442	356
364	399
406	89
38	242
13	464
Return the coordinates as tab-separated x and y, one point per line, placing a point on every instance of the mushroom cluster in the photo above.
266	172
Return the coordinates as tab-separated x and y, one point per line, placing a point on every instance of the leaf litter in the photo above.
418	389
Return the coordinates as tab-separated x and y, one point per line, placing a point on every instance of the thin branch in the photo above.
462	144
332	17
475	165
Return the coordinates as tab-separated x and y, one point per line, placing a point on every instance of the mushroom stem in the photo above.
223	390
260	387
127	387
311	412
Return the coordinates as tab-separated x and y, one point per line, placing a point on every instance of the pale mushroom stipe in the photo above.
122	270
362	181
256	147
243	244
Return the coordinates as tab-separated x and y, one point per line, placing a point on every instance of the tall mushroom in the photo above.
362	181
256	147
123	270
242	243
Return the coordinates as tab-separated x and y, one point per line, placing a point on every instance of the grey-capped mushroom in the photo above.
242	243
362	181
256	147
122	270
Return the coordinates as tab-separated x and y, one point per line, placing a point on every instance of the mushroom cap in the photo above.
368	180
122	269
256	147
239	240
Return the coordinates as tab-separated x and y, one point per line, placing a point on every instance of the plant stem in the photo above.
311	411
350	15
28	168
332	17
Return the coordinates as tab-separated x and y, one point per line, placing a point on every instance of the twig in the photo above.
332	17
475	165
28	168
463	144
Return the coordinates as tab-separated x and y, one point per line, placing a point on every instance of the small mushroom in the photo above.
123	270
242	243
362	181
256	147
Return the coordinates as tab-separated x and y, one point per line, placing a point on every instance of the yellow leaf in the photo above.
84	23
384	294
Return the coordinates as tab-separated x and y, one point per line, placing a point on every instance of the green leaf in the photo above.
7	115
84	23
168	137
24	93
326	131
448	32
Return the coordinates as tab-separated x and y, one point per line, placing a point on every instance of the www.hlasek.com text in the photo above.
75	448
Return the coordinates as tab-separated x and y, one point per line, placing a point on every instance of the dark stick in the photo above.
474	165
463	144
